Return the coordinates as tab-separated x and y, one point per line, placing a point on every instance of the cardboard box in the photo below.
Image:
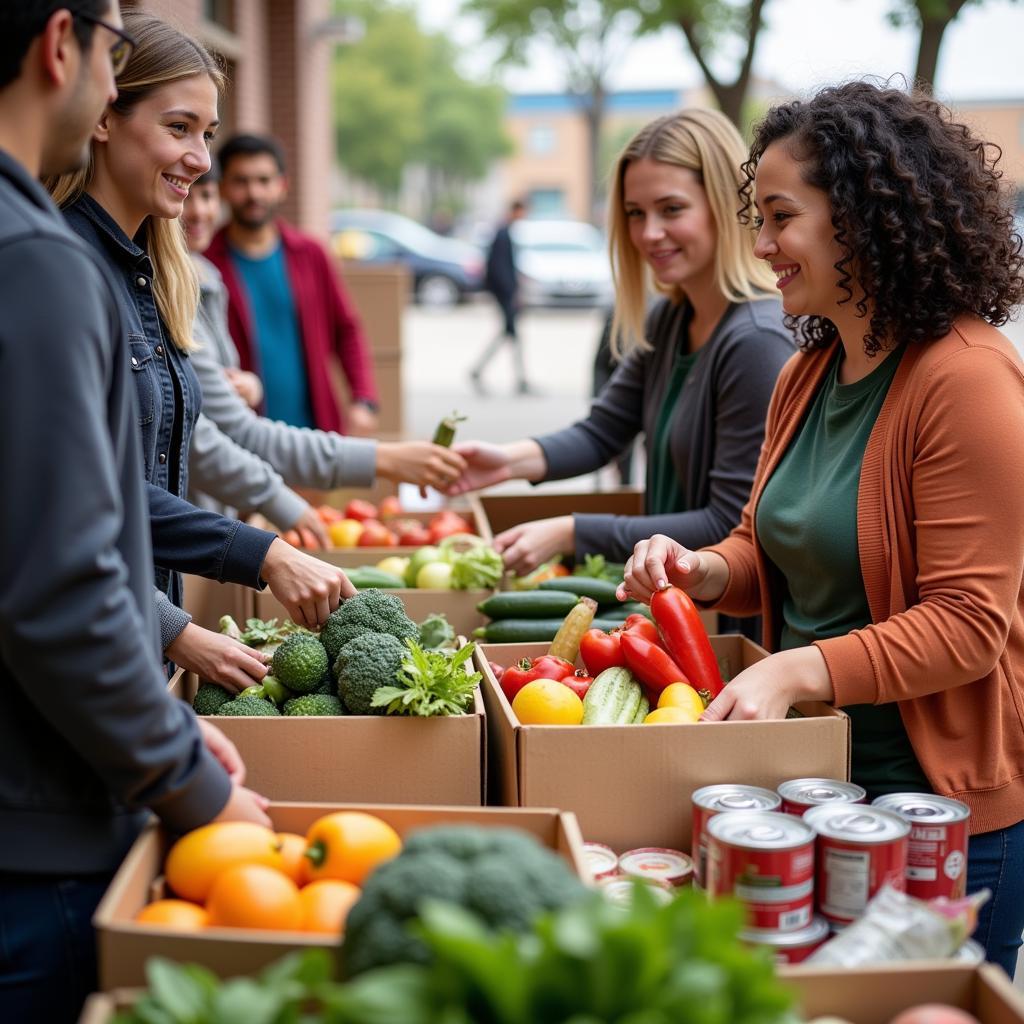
504	511
124	947
875	995
207	600
388	759
630	785
380	293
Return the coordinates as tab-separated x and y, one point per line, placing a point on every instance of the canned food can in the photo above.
937	853
790	947
618	889
602	860
670	866
859	849
799	795
711	800
765	860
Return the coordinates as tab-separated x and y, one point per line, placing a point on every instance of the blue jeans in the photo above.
47	946
995	860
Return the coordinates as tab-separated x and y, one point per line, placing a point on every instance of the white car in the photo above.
562	262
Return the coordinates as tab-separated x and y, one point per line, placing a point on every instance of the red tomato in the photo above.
390	507
376	535
516	676
445	523
642	626
361	510
600	650
329	515
579	682
415	535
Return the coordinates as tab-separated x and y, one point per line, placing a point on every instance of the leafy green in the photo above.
436	632
597	567
430	683
259	632
475	565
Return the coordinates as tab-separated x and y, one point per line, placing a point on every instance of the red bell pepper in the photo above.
686	639
649	663
516	676
600	650
642	626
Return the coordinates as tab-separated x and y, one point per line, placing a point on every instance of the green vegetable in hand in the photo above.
436	632
430	683
445	433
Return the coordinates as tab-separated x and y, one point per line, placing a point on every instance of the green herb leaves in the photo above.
430	683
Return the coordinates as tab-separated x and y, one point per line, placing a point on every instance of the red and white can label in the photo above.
765	860
711	800
937	853
790	947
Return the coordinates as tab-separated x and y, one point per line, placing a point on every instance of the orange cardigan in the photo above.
940	529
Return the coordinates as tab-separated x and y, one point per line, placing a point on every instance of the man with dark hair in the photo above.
288	312
501	280
89	736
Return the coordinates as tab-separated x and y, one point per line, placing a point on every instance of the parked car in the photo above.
562	262
444	270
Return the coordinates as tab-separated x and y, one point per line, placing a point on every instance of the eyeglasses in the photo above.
122	50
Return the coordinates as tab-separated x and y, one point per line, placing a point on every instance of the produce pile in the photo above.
369	658
628	668
459	562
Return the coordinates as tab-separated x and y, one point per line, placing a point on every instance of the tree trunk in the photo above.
595	121
933	29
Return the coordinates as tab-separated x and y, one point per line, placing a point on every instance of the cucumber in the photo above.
602	591
366	577
642	712
518	631
602	622
613	699
528	604
619	611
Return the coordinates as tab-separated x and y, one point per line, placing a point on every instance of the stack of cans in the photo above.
712	800
662	869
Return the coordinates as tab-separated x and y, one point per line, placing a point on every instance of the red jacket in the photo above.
328	323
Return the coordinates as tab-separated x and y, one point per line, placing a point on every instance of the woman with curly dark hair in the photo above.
884	538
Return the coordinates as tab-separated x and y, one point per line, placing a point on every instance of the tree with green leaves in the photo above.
398	102
589	35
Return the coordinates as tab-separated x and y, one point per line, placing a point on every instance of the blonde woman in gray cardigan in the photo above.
304	458
696	372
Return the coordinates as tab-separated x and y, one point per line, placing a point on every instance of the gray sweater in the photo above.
716	433
305	458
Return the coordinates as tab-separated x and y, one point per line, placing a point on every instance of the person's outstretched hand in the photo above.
528	545
660	562
245	805
309	588
419	462
486	465
218	658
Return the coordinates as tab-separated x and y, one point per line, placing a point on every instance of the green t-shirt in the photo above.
807	526
665	493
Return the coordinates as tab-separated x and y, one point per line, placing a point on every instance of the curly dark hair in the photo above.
918	206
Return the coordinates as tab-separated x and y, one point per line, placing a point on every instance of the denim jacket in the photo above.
205	544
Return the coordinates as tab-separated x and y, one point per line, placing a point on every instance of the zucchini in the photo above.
602	591
519	631
614	698
642	712
619	611
600	622
528	604
366	577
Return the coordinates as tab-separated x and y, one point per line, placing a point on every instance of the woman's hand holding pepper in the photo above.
660	562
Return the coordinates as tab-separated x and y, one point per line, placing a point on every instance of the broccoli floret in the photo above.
209	698
313	704
327	684
370	611
365	663
248	706
504	875
300	662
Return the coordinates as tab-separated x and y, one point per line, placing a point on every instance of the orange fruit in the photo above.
682	695
196	859
293	857
325	905
254	896
180	915
671	714
345	533
547	702
348	845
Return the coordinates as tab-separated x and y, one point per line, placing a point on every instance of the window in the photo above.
220	12
540	141
547	202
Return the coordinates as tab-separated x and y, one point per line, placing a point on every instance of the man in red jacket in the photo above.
288	311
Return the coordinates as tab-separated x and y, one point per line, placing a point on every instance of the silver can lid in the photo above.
926	808
760	830
821	791
856	824
736	797
816	931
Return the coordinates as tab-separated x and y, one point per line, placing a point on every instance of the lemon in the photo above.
671	713
547	702
681	695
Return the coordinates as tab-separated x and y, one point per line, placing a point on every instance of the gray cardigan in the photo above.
716	432
305	458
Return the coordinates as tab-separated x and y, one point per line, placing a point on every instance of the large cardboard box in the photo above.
124	947
388	759
630	785
458	605
877	994
507	510
207	600
380	293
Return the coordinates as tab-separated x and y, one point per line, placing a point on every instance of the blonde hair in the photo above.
163	54
707	143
